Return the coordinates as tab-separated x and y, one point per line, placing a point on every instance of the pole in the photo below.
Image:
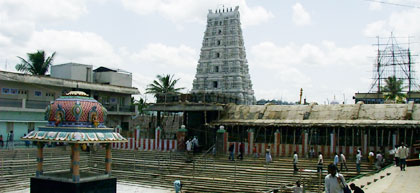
76	162
39	159
108	159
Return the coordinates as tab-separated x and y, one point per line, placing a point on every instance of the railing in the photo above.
11	103
31	104
119	108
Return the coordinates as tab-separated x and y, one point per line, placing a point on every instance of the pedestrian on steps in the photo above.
320	162
403	153
295	162
231	152
343	161
268	157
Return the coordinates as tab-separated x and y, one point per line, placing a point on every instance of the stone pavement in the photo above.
397	181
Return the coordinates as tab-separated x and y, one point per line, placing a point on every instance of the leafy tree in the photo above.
393	90
141	104
163	85
37	63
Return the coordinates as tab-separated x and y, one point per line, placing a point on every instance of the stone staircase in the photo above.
149	168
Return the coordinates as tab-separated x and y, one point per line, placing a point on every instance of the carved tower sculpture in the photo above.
223	67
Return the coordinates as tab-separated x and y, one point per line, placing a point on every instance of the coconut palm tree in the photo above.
393	90
164	84
37	63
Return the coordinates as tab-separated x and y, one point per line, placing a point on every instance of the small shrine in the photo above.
74	119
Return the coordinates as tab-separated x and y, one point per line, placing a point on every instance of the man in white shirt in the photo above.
295	161
336	160
334	182
403	154
320	162
343	162
358	161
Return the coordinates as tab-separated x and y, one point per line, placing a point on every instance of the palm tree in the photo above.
393	90
36	63
163	85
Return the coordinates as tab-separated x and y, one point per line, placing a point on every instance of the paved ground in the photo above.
397	182
124	188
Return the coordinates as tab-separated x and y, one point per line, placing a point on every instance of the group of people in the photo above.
400	153
10	144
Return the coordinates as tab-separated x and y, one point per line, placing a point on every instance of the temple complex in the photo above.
223	67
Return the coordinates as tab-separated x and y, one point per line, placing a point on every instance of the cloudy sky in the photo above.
324	46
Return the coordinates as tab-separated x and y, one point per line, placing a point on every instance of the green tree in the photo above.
141	104
393	90
37	63
163	85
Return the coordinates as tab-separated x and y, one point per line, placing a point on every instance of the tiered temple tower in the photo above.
223	67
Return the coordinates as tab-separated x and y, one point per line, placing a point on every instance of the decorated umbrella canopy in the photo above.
75	119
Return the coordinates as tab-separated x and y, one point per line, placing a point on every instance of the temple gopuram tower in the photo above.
223	67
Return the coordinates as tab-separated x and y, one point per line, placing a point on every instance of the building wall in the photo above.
20	122
113	78
72	71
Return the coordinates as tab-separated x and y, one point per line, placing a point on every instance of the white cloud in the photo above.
374	6
300	16
42	10
403	23
322	70
179	11
166	56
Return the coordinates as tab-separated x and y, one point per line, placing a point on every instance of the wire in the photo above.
395	4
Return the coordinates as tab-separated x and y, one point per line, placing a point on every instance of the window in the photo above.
214	84
217	55
216	69
38	93
218	42
22	91
220	31
13	91
5	91
49	94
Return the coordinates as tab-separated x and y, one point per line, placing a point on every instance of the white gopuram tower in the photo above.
222	67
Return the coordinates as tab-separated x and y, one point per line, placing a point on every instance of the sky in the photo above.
324	47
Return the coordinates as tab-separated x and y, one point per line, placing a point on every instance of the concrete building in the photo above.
72	71
24	97
223	67
115	77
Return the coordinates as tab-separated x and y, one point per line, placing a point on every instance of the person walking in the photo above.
343	161
11	144
268	157
334	182
298	188
371	158
356	189
320	162
295	162
1	141
231	152
241	151
397	156
403	154
358	162
336	160
178	186
254	150
379	159
189	145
